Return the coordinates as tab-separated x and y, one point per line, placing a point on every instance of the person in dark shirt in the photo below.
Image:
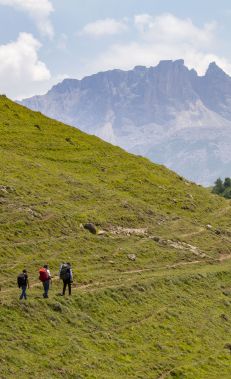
66	275
23	283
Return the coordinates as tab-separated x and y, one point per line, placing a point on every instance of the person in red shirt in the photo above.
45	277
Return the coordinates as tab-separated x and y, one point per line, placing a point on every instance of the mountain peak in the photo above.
214	69
169	62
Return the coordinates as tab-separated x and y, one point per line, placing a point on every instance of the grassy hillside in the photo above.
167	314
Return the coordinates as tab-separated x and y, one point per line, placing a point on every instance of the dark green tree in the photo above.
218	187
227	182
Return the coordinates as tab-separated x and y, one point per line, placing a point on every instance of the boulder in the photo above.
91	228
102	232
132	257
155	238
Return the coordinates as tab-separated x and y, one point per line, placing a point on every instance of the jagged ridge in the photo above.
167	113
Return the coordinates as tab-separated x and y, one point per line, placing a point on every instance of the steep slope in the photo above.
147	110
129	317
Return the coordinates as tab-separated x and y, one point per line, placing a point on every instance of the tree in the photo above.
218	187
227	182
227	193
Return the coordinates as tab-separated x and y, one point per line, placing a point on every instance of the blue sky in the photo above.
44	41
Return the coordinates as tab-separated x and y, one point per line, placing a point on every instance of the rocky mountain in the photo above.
167	113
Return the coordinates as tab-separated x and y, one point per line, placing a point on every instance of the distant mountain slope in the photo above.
151	291
167	113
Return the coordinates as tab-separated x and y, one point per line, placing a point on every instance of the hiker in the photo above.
23	283
45	277
66	275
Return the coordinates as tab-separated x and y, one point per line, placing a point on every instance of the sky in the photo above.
44	41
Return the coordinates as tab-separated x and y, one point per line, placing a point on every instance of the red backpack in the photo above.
43	275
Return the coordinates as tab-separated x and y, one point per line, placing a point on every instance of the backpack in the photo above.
65	272
21	280
43	275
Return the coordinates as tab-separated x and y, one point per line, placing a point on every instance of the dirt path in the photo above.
224	257
162	268
115	283
192	234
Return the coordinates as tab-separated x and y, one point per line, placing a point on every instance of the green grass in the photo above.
157	317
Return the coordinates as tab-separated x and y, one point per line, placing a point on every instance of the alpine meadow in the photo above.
152	287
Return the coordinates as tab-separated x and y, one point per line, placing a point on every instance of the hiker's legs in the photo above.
69	288
64	287
23	294
46	286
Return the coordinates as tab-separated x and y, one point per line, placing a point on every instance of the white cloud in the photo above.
164	37
167	28
108	26
21	71
38	10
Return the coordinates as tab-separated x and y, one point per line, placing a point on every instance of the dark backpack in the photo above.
65	272
21	280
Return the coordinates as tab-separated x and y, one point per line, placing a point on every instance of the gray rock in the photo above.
91	228
132	257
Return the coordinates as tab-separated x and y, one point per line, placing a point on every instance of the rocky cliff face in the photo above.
167	113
